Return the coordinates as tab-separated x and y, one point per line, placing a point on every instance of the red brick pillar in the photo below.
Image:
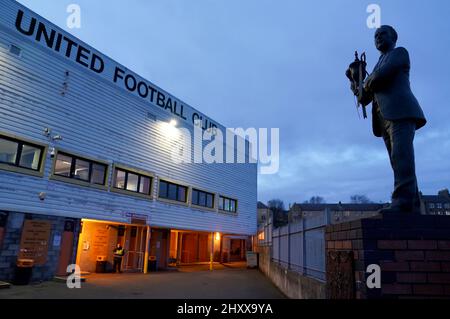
413	252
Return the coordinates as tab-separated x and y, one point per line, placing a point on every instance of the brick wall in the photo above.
10	247
413	252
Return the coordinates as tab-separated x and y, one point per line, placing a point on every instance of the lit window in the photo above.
30	157
119	177
81	169
21	154
63	165
8	151
132	182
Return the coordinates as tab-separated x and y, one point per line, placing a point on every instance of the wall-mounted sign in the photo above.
35	240
100	241
57	240
136	219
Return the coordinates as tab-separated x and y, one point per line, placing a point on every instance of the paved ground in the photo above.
227	282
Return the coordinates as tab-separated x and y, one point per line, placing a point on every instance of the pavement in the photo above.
189	282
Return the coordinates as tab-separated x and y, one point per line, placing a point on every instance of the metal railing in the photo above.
298	246
137	261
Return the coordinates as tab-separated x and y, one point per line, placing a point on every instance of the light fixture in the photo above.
173	123
217	236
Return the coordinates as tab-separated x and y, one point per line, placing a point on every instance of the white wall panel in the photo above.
99	119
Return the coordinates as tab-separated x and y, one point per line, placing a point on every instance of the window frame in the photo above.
140	173
72	179
223	198
199	190
21	142
178	185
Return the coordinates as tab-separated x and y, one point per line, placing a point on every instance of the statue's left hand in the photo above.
368	84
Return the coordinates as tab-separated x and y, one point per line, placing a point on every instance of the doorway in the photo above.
98	239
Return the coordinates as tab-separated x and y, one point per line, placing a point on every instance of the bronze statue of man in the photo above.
396	115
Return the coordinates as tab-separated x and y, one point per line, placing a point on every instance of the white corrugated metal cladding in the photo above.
102	120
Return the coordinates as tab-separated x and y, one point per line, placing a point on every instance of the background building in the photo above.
436	204
335	213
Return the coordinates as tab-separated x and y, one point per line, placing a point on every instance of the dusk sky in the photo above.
281	64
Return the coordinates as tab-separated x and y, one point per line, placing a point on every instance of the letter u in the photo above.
19	24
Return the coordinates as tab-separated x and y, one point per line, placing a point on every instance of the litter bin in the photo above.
100	266
23	272
152	263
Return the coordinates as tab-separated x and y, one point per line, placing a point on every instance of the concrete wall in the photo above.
292	284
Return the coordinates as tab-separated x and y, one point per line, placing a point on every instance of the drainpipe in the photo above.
147	246
211	256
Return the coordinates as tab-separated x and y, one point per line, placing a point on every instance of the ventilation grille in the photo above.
14	49
151	116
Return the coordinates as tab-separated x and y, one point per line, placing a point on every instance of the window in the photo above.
431	205
20	154
203	199
80	169
98	174
119	178
439	206
227	204
132	182
447	206
172	191
30	157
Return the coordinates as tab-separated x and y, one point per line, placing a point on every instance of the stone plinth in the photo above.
413	252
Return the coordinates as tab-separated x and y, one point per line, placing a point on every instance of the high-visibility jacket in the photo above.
119	252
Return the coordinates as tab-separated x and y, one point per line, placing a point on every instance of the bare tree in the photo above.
315	200
360	199
276	204
278	212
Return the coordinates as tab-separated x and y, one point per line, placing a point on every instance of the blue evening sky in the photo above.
260	63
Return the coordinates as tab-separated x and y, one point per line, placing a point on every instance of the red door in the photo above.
65	254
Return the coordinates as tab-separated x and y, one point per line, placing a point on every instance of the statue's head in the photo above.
385	38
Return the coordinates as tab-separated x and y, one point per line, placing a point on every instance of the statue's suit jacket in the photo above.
390	91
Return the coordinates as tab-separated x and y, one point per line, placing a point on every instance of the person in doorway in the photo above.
119	252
